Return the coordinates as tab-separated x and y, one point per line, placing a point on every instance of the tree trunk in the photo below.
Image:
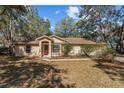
11	39
120	44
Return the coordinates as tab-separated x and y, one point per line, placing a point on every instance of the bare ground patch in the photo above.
31	74
89	74
63	74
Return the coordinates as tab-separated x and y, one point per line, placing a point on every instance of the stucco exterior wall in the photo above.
35	51
76	50
60	42
20	51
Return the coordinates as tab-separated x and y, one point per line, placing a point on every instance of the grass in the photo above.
89	74
31	74
37	73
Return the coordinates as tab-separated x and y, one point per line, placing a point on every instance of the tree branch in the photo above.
2	12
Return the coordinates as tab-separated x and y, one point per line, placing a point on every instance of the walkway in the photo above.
75	59
120	59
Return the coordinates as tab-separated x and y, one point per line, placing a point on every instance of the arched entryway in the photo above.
45	48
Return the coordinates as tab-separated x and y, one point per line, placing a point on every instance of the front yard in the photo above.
20	72
92	74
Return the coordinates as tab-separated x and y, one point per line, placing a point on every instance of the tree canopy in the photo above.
105	21
66	28
22	23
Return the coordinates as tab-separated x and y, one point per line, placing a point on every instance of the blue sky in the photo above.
55	13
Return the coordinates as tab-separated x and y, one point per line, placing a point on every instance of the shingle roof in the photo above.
70	40
31	42
78	41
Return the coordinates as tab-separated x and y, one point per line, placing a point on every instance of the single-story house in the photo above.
49	46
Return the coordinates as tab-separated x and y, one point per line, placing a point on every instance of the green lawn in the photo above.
18	72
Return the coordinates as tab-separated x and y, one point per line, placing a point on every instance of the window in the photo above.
28	49
56	48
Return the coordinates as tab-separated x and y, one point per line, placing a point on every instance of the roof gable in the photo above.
42	37
58	39
54	36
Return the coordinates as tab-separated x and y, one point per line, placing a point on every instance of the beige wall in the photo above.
20	51
76	50
35	51
58	41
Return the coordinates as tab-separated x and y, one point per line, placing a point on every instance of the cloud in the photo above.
73	12
57	12
45	18
52	28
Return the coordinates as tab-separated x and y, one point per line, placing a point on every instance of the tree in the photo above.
26	26
97	18
118	34
66	49
87	30
34	27
87	49
45	27
103	20
9	15
66	28
120	44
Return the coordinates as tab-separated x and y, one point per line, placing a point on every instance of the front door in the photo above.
45	49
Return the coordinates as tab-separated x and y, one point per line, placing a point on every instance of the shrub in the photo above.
107	54
112	51
67	48
87	49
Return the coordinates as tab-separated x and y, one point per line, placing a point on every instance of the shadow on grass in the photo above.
11	58
40	75
115	70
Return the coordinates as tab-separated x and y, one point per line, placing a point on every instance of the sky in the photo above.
55	13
